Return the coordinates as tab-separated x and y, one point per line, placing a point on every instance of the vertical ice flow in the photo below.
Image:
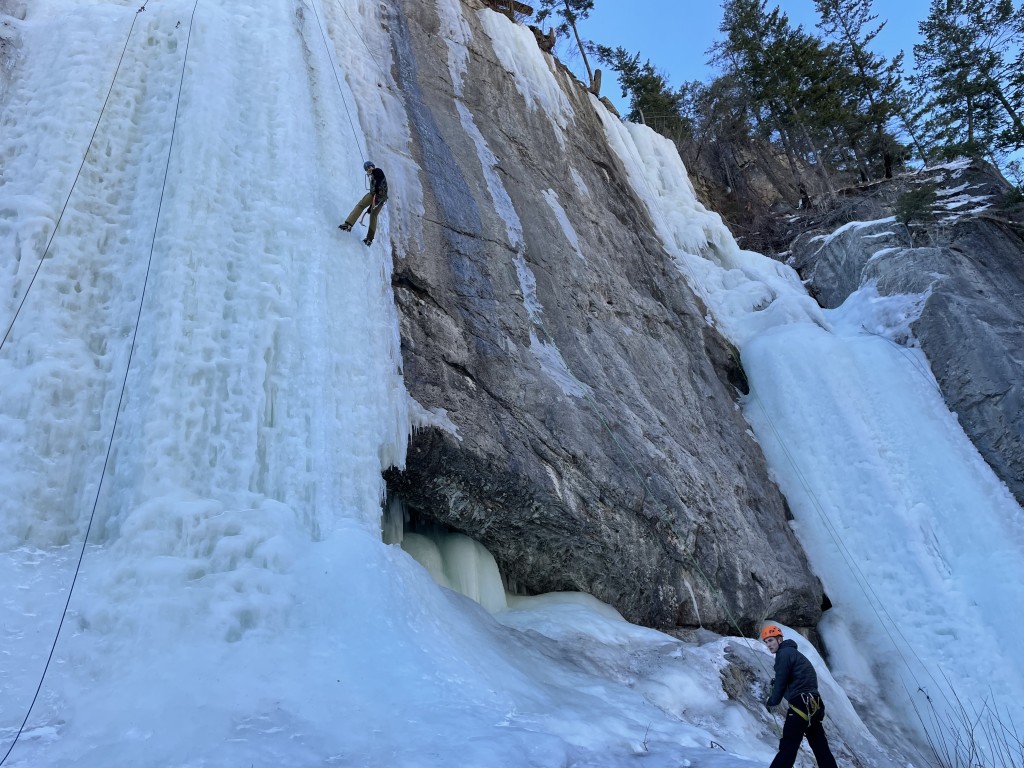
264	395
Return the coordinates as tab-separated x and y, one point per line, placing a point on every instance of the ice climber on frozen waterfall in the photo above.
374	200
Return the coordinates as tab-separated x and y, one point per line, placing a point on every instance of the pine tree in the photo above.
972	92
793	81
570	11
876	82
651	99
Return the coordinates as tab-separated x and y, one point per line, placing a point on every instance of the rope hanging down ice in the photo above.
67	200
120	401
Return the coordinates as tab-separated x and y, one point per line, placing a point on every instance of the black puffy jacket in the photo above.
794	674
379	187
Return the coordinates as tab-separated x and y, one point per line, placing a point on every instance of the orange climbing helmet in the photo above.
770	631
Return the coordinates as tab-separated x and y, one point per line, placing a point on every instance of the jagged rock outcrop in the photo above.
599	445
966	248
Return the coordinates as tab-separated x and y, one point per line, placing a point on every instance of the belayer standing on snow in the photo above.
797	682
374	200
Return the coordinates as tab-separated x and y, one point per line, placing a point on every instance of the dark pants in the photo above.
796	728
364	202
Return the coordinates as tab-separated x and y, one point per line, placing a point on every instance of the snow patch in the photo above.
852	226
551	198
554	365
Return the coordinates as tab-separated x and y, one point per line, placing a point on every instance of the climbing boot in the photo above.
346	227
368	241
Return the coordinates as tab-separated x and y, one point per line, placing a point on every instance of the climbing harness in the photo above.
334	68
691	562
813	705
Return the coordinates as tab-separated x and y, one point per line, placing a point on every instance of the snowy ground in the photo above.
198	311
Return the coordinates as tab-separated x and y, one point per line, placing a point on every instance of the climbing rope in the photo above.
67	200
337	79
373	56
925	374
715	590
120	401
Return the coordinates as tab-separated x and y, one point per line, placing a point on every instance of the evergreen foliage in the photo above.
916	205
795	85
969	77
875	85
570	12
650	96
808	112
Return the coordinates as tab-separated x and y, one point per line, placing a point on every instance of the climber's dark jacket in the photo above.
378	187
794	675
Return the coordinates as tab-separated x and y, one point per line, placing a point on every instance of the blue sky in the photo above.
675	35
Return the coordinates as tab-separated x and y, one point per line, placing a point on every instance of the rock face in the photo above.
597	441
967	250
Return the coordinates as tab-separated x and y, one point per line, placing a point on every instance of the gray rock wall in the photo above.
631	474
834	265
